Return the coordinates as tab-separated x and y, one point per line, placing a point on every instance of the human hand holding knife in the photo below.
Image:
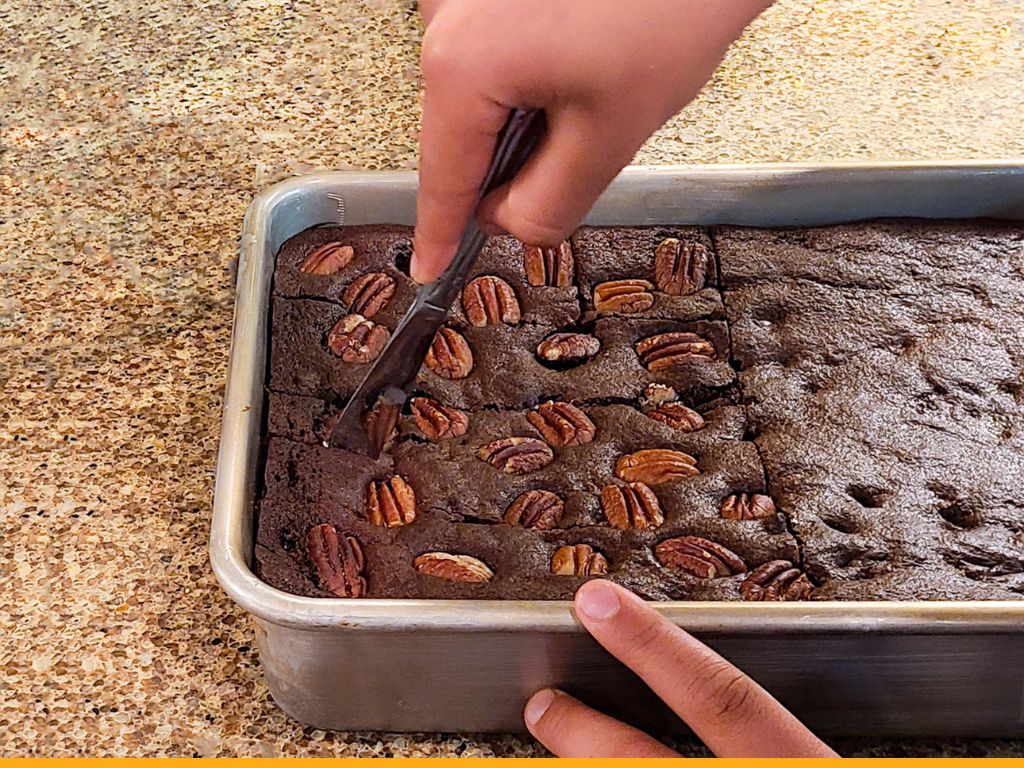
372	412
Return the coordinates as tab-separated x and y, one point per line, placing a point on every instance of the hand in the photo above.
731	713
607	74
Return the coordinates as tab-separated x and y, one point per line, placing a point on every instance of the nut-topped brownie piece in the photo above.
366	267
324	262
883	366
533	497
648	272
315	353
516	367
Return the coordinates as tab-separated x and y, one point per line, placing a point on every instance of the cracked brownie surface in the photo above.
842	422
882	369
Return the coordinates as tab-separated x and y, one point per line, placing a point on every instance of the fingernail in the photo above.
417	274
538	705
597	600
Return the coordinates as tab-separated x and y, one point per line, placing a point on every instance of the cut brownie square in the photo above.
379	247
683	279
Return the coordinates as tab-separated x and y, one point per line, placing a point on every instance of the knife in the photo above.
373	410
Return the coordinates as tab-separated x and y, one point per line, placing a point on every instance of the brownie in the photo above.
388	249
839	410
620	253
376	248
506	369
881	364
460	501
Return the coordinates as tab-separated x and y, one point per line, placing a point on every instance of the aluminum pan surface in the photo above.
754	195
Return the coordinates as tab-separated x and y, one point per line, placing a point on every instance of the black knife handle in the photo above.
517	140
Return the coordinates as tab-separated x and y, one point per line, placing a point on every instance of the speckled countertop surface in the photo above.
132	136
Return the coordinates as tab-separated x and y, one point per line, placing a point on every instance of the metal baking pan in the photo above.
857	668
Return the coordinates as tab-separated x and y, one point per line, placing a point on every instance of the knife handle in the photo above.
518	138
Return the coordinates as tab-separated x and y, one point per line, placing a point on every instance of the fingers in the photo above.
428	8
549	197
731	713
571	729
457	136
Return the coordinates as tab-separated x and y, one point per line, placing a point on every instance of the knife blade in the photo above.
373	409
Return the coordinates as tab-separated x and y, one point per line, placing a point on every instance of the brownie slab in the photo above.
863	383
882	367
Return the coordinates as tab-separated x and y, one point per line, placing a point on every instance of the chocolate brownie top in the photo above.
882	368
843	421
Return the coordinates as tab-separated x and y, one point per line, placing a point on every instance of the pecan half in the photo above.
517	455
655	466
623	296
328	259
489	300
776	580
747	506
438	421
666	349
562	424
367	294
570	348
357	340
381	422
699	557
537	509
631	506
444	565
578	560
549	266
390	503
449	355
338	559
680	267
677	416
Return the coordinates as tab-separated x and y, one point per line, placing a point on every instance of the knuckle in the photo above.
727	691
453	50
732	698
531	227
440	57
648	640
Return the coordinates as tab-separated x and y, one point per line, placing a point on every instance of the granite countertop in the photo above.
131	140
